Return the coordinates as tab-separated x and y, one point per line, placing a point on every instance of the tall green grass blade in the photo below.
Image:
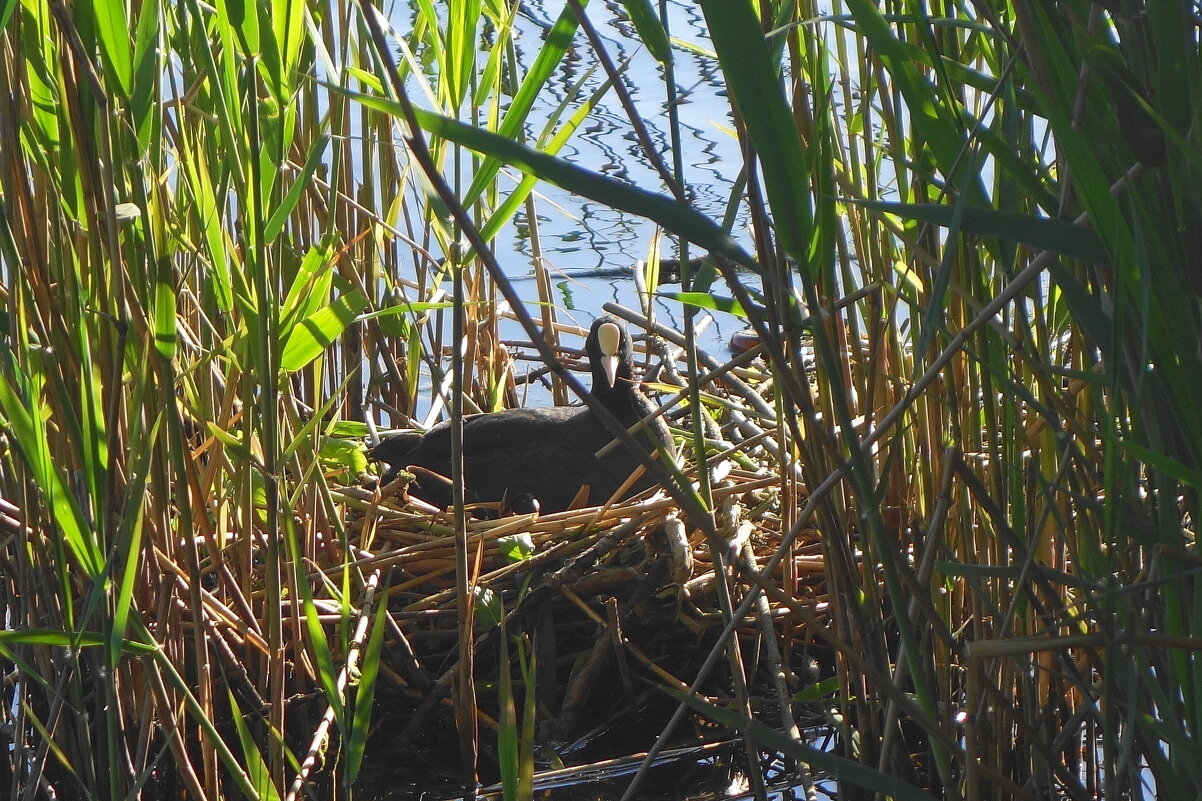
256	768
514	200
38	52
166	338
240	18
406	309
1190	476
1088	173
507	723
116	50
68	639
1059	236
131	534
226	108
755	81
29	434
527	661
434	36
327	674
311	285
206	210
7	7
365	694
279	217
147	73
651	30
289	34
925	102
706	300
463	17
549	56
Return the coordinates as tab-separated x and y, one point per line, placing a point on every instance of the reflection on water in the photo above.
578	234
588	246
580	238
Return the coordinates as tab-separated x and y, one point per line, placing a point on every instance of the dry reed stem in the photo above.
219	611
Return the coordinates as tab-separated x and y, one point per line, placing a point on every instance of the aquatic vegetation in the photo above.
940	511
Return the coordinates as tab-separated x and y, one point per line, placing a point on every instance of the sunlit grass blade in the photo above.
317	155
755	82
256	767
112	27
315	333
30	436
365	694
1039	233
534	82
932	119
549	145
68	639
507	723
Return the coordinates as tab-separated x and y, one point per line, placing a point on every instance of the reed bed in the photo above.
936	537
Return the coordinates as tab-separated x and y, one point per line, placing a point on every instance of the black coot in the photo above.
546	454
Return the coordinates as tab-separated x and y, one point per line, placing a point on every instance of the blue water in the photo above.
585	243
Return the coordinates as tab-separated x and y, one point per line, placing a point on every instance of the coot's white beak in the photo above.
609	339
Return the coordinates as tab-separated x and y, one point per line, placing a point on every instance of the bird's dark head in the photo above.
608	347
520	503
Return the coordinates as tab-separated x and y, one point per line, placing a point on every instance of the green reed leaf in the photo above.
29	435
256	767
365	692
754	80
317	155
319	330
1038	233
651	31
707	300
116	50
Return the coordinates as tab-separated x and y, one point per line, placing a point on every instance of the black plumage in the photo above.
546	454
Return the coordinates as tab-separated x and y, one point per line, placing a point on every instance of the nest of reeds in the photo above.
610	604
